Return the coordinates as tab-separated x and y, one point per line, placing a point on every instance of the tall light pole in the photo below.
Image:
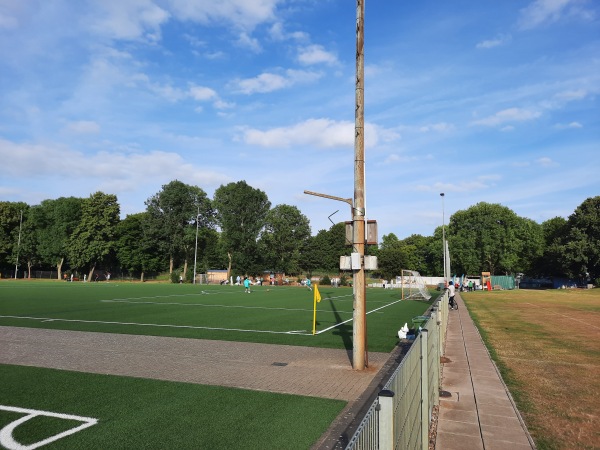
444	238
18	245
196	250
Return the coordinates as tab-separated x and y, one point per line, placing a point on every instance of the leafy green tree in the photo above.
486	237
323	251
10	223
173	213
241	211
581	245
10	217
434	255
551	263
136	251
27	248
285	232
210	253
530	245
417	247
93	239
411	253
55	222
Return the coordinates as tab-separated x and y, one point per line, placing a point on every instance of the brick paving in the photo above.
315	372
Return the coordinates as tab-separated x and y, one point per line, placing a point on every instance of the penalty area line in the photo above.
209	306
158	325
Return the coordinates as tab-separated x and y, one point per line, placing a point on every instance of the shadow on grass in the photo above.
344	330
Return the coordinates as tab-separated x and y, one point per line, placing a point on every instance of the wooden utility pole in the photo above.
359	329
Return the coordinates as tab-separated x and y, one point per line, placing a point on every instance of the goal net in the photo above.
413	285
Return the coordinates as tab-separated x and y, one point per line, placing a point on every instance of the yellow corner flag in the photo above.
316	299
317	293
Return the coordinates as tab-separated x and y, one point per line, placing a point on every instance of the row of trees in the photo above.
238	230
492	238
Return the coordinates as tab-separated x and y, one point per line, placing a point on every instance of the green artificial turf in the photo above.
148	414
270	314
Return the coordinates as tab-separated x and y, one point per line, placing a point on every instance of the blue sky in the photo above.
493	101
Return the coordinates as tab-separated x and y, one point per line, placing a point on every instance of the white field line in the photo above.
345	321
299	332
6	437
49	319
212	306
564	315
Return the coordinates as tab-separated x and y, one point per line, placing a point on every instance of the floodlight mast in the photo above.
444	238
196	247
19	245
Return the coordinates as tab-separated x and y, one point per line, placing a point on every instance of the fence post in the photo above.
386	420
441	337
424	391
437	370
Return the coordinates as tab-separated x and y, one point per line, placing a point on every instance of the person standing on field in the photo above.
308	284
246	285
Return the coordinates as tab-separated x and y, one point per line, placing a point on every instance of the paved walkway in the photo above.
314	372
480	413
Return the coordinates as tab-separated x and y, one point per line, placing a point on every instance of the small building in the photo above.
216	276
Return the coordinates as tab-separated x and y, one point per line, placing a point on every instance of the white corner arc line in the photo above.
7	440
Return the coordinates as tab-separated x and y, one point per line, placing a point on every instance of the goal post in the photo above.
413	286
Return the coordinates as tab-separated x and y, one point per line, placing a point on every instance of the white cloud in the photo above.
8	22
168	92
125	169
572	95
320	133
269	82
316	54
542	12
393	158
508	115
143	19
546	162
278	33
475	185
128	19
437	127
83	127
195	92
247	41
241	14
220	104
572	125
491	43
202	93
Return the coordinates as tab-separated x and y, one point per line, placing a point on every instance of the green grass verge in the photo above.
270	314
149	414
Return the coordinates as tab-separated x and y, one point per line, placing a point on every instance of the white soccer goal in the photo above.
413	285
201	278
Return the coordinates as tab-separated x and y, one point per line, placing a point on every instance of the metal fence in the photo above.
399	417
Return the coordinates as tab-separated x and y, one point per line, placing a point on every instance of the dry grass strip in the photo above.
547	344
